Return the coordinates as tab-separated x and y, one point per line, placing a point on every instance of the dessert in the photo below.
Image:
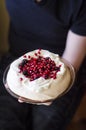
38	75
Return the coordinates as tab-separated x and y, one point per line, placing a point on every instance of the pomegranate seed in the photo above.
25	56
34	68
36	54
29	57
21	79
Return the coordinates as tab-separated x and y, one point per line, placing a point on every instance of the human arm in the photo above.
75	50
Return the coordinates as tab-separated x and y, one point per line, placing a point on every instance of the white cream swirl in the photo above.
40	89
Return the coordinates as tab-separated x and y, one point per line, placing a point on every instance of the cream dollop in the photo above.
39	89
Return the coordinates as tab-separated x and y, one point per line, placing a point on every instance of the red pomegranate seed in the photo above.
25	56
29	57
34	68
36	54
21	79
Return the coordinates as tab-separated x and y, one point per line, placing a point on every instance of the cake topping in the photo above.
38	66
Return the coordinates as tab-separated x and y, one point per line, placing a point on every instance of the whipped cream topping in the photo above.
39	89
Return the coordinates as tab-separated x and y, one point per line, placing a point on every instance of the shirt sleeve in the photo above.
79	21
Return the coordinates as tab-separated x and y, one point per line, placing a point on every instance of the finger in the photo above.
6	86
47	104
20	100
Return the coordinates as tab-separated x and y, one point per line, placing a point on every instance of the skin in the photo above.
75	50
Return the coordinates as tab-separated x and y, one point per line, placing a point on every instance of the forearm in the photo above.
75	50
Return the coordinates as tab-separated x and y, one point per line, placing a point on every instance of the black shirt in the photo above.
44	25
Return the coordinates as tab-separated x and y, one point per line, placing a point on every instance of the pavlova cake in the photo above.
39	76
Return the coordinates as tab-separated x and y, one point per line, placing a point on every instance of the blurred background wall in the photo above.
4	25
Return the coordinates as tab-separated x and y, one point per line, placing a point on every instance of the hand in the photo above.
21	100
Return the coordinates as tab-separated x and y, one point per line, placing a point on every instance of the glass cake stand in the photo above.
22	99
